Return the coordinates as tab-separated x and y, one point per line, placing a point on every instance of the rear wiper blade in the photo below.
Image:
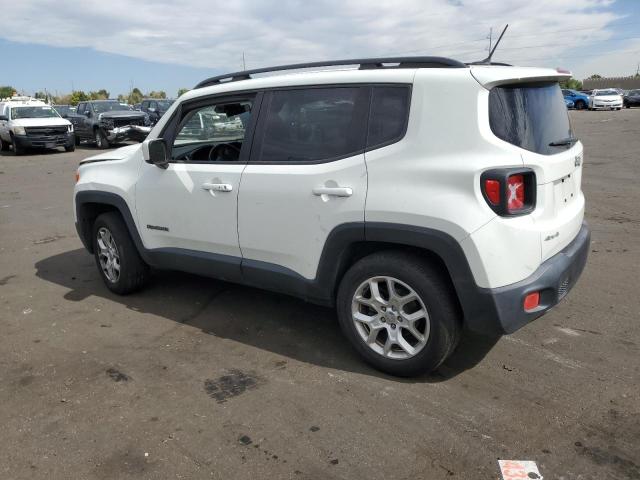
564	141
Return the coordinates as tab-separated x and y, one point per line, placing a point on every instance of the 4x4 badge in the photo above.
578	161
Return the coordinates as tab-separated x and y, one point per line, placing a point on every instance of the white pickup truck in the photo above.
30	123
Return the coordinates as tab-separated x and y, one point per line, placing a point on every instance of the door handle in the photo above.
333	191
217	187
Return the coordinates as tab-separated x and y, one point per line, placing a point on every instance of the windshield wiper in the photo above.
563	142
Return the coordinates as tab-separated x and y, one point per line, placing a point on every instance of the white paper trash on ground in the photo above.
519	470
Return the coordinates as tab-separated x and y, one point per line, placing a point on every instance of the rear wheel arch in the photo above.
349	243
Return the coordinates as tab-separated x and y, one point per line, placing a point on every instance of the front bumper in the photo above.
128	132
501	309
607	105
45	141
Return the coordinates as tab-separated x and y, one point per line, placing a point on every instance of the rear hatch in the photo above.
527	110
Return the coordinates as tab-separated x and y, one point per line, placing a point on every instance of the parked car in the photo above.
339	188
608	99
569	103
155	108
107	121
632	99
64	110
579	99
29	123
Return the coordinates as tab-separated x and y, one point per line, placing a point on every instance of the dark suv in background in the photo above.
155	108
107	121
631	98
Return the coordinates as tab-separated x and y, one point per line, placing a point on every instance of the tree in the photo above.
135	96
7	91
101	94
77	96
158	94
595	76
572	84
182	91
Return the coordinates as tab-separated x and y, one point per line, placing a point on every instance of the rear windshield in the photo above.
531	116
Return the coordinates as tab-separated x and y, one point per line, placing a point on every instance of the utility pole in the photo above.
490	38
244	65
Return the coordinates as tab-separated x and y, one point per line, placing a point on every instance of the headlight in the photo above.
18	130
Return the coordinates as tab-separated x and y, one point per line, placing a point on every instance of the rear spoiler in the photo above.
490	76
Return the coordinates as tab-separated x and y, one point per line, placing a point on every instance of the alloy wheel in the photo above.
390	317
108	255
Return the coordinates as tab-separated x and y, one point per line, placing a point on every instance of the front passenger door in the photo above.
190	208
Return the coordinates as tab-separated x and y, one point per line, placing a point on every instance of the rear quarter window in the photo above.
530	116
388	116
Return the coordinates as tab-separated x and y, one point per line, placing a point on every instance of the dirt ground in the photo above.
194	378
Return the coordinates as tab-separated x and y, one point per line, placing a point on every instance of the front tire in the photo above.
100	139
17	149
399	313
4	146
117	259
70	148
580	105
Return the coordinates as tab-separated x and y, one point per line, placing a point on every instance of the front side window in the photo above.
389	115
213	133
531	116
314	124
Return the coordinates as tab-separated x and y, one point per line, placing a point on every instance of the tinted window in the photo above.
315	124
388	116
530	116
213	133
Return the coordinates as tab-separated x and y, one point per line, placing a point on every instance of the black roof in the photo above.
364	64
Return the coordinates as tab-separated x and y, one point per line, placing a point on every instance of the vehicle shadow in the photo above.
273	322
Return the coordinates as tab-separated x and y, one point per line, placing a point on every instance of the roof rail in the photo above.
364	64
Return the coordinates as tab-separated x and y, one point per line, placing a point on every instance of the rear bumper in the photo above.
45	141
501	309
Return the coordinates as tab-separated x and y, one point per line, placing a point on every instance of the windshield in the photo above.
44	111
164	104
101	107
600	93
63	109
530	116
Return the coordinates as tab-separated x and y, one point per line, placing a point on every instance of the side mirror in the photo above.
157	153
4	118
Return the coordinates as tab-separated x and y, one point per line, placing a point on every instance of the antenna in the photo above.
487	61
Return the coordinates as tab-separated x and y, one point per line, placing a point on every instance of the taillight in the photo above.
515	200
509	191
492	190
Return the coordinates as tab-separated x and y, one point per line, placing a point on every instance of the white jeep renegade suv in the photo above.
418	196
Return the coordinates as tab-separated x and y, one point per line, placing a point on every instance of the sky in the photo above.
170	44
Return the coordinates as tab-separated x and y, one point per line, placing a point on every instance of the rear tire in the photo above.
100	139
122	269
398	335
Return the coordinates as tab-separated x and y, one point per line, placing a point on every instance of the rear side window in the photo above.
530	116
389	115
314	124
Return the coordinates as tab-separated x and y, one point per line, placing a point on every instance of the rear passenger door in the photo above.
305	177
